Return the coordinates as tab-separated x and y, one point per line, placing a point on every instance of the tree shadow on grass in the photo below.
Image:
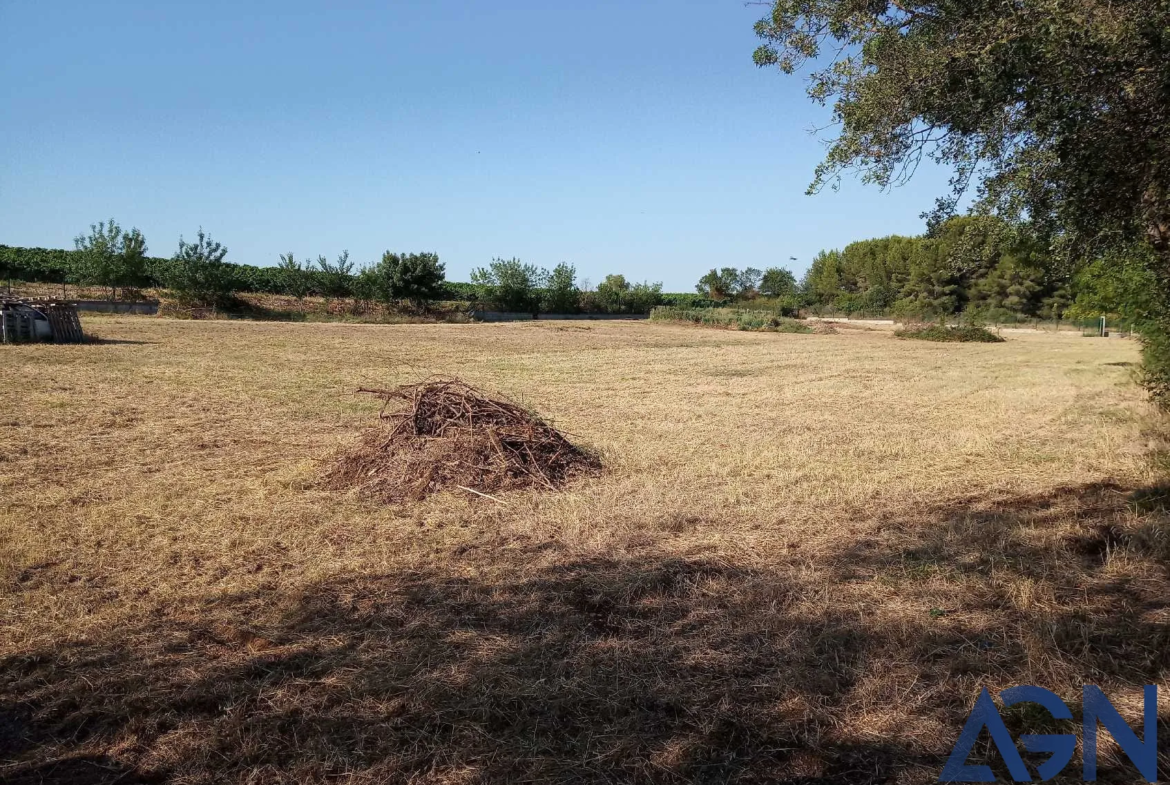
648	669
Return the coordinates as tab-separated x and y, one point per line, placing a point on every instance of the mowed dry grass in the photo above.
805	557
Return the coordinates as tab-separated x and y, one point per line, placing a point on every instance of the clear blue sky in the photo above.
627	136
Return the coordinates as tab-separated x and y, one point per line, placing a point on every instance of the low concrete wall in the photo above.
511	316
146	307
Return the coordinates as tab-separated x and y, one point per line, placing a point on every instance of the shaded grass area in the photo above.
730	318
949	334
649	668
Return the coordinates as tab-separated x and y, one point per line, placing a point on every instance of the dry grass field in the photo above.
805	556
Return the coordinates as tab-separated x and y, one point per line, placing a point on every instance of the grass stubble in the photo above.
806	555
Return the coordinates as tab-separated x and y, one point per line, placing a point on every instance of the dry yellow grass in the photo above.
805	556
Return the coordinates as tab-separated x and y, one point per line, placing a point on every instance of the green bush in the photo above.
945	334
688	300
730	319
1155	373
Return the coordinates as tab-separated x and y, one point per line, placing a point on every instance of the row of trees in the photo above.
981	266
514	286
976	264
730	283
199	273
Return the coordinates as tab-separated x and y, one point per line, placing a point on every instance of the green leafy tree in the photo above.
778	282
410	277
296	278
747	283
199	274
135	271
1052	109
643	297
1121	285
366	286
561	294
1057	107
613	293
720	284
510	284
822	281
110	257
337	277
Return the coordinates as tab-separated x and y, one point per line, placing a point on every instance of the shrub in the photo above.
945	334
460	291
688	300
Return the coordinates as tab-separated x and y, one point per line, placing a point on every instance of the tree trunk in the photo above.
1156	207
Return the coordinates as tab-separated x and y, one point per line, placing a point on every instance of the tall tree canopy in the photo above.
1053	110
1057	109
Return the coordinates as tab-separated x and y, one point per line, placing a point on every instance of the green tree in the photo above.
747	283
613	293
720	284
1054	109
1121	285
510	285
642	297
1056	106
778	282
199	274
366	286
410	277
822	281
1011	290
932	291
1057	303
337	277
561	294
296	278
110	257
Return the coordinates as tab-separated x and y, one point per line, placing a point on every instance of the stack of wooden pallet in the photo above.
24	321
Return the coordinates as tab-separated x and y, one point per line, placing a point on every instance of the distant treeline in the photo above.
505	284
56	265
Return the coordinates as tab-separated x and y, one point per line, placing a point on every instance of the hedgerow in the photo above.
730	319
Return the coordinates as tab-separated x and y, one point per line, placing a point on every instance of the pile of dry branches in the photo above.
446	434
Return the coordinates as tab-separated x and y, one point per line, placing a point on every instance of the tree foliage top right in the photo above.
1056	110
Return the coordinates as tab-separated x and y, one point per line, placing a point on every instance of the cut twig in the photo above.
480	493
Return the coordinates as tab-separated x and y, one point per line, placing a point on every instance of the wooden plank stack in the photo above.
18	320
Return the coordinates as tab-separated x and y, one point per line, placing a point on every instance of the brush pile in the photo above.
445	434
